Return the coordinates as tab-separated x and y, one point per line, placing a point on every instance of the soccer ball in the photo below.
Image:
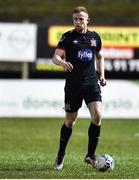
104	163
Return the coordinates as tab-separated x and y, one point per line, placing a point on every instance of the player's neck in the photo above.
82	32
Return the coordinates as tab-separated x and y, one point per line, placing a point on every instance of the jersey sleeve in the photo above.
62	42
99	43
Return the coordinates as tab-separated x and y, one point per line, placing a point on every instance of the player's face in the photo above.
80	21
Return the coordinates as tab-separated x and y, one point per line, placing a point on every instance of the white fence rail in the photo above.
45	98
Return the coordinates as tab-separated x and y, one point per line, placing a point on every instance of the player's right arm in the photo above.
59	59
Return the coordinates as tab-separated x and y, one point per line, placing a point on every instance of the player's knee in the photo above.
97	118
70	119
70	124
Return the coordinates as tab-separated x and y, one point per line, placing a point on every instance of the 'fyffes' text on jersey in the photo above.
85	55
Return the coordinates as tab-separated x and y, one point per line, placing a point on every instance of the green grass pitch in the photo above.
28	148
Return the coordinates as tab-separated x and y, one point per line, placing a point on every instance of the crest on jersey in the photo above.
93	42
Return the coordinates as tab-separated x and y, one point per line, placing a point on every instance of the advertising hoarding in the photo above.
18	42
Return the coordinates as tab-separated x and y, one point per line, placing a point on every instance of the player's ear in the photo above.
88	19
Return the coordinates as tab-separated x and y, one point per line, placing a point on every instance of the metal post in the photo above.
25	70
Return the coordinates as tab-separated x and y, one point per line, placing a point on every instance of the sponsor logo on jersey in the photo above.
85	55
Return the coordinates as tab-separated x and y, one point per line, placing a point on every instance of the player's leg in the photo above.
65	133
95	125
73	102
92	97
94	130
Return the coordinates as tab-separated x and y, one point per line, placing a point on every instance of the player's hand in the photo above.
102	81
68	66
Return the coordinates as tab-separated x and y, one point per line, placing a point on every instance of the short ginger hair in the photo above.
80	9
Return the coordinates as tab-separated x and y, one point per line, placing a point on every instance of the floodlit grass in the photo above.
28	148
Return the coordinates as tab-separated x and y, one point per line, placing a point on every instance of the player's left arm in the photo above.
101	67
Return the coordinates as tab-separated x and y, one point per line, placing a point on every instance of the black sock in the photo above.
64	138
93	135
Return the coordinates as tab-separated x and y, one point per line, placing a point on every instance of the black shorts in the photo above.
75	96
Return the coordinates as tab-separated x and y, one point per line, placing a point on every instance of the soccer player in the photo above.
79	52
